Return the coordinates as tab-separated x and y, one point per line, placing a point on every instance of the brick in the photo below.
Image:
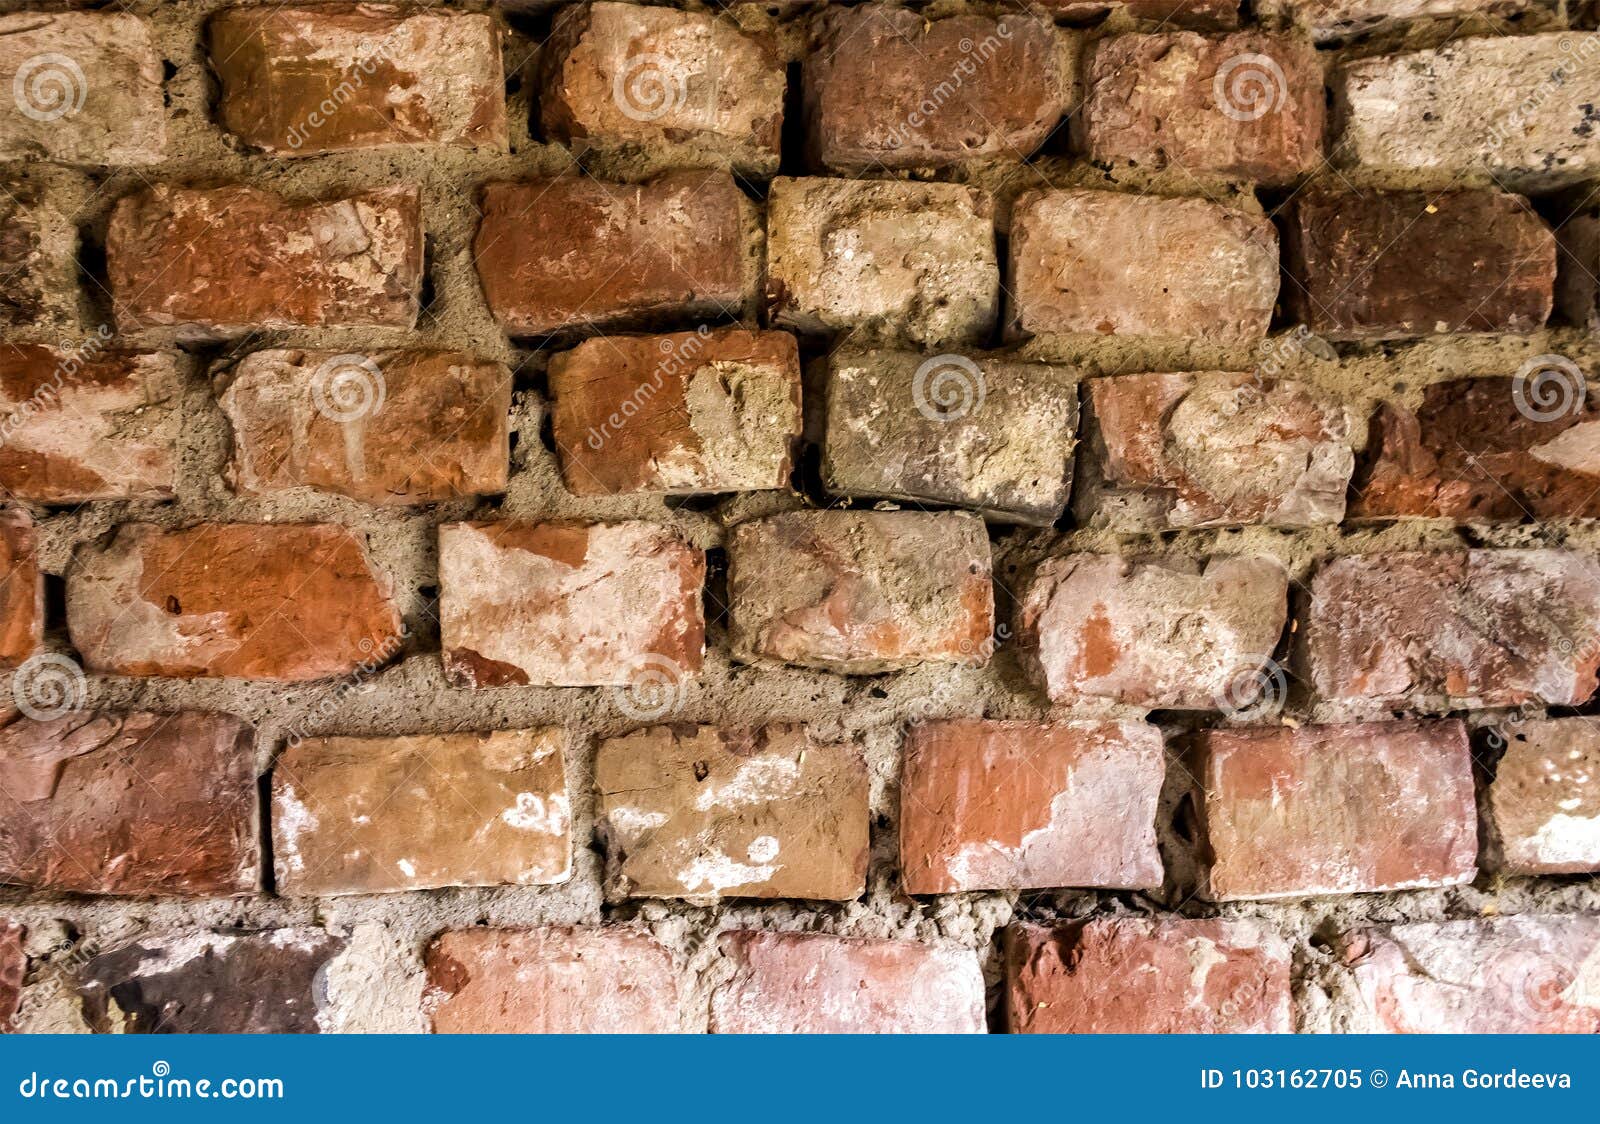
218	263
550	981
385	815
1504	975
703	812
384	427
1335	19
1456	630
619	78
1390	265
1133	975
1515	108
1212	449
88	424
1245	106
915	261
679	414
983	432
37	269
21	588
1170	634
814	983
13	967
1542	809
130	804
1104	263
1483	451
989	805
86	89
861	592
269	982
304	81
285	602
566	604
1221	14
1296	812
887	88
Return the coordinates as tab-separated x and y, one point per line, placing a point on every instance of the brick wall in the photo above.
800	516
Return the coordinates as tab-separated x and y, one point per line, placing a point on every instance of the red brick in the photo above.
286	602
303	81
1174	634
386	427
813	983
1336	19
1295	812
860	592
691	412
21	588
988	805
619	78
550	981
1132	975
13	966
699	811
1104	263
573	252
130	804
1542	810
1221	14
1455	630
569	604
222	262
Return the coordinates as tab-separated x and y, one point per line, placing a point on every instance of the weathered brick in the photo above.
383	815
988	805
887	88
702	811
1212	449
860	592
1503	975
130	804
385	427
13	966
1246	106
286	602
1175	634
620	77
303	81
37	266
982	432
690	412
1388	265
1517	108
1450	631
574	252
1334	19
569	604
550	981
1133	975
814	983
222	262
1169	13
86	89
21	588
914	261
1296	812
1106	263
1542	810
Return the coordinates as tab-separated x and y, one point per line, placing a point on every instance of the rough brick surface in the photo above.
1212	449
1335	19
1105	263
550	981
621	76
13	966
1172	634
389	427
1336	809
980	432
569	604
987	805
754	813
813	983
36	263
1129	975
1578	270
383	815
1542	810
1459	629
287	602
861	592
21	587
679	414
1174	13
